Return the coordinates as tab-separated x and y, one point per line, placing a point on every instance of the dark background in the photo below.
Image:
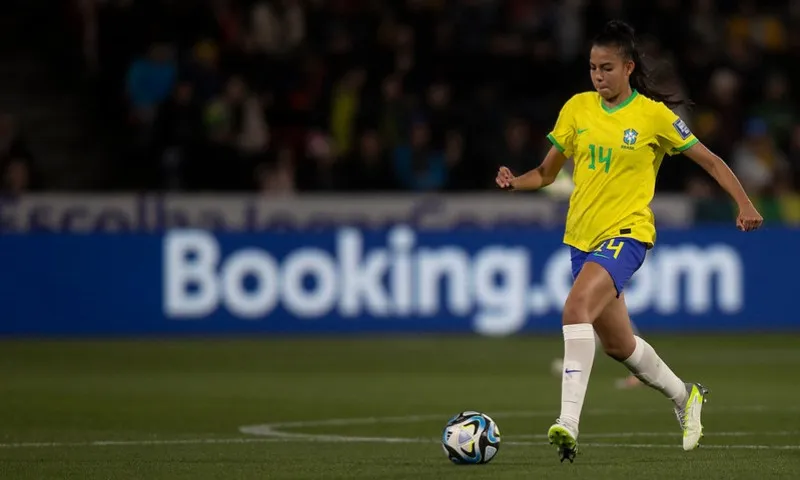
285	96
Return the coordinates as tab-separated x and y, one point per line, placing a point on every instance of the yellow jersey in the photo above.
617	153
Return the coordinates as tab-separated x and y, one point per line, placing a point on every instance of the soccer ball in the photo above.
471	438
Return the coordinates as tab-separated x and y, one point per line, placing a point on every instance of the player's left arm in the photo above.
675	137
748	218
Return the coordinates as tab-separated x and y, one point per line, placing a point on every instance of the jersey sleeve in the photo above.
563	132
673	134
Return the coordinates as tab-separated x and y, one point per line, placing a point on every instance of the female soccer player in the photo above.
617	136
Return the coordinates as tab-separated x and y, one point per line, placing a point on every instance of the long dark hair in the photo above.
620	34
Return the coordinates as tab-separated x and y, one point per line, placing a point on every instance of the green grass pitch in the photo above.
374	408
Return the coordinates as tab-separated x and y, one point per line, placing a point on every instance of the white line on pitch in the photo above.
277	430
267	433
136	443
669	446
340	439
662	434
254	429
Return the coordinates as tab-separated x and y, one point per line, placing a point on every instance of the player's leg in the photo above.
614	328
619	342
631	381
577	259
592	291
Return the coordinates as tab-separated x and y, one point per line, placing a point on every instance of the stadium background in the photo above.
307	186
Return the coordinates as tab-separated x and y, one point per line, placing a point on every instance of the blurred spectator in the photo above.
460	174
763	28
718	122
16	177
794	154
178	132
12	143
517	152
17	169
369	169
394	115
345	105
238	133
777	109
757	161
417	164
324	170
202	70
278	179
569	32
707	207
442	114
150	81
705	27
278	26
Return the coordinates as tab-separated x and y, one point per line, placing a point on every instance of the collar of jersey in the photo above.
622	105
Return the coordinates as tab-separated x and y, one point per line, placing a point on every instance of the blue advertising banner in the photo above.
347	280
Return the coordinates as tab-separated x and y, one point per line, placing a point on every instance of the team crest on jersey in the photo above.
629	136
682	129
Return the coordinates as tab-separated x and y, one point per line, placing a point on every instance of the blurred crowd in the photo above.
283	96
18	170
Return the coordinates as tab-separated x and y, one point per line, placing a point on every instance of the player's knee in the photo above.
617	352
619	349
576	310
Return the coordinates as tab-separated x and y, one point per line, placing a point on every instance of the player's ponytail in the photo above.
620	34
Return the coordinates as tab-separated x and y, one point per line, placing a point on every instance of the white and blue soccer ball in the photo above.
471	438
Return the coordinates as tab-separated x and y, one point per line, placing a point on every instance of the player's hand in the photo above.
749	219
504	177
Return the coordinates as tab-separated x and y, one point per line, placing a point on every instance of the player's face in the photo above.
610	71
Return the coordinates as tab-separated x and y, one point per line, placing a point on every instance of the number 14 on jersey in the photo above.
601	155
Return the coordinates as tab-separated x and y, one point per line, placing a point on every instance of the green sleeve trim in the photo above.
689	145
555	143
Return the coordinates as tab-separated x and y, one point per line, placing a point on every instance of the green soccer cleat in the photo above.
560	436
689	416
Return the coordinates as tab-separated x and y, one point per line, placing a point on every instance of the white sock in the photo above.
579	348
648	367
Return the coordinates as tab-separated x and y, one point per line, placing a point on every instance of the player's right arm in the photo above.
562	138
539	177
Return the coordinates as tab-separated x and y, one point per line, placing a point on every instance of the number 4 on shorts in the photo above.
615	247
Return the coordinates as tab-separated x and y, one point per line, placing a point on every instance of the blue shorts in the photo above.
620	256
